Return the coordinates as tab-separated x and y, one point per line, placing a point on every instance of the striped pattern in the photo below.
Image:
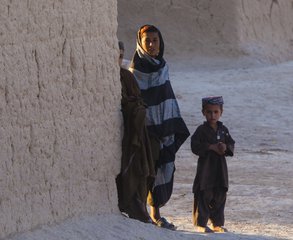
157	114
163	115
165	121
151	79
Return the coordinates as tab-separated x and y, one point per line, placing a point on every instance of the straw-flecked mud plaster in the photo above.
59	111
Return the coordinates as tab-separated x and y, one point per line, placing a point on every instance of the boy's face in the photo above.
212	113
150	42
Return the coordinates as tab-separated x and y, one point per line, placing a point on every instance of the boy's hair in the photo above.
121	45
213	100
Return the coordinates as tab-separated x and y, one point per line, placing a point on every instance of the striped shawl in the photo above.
163	118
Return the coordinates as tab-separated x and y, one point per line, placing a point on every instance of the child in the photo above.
137	165
211	142
166	127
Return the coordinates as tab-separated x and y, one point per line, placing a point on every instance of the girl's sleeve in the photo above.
198	145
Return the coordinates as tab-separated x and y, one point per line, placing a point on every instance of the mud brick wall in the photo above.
261	28
59	111
265	28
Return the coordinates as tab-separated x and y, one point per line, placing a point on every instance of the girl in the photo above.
166	128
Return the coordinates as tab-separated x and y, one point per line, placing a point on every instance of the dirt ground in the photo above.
257	111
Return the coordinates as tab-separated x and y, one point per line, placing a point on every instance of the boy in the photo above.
211	142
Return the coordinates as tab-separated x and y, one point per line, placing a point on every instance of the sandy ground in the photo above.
258	112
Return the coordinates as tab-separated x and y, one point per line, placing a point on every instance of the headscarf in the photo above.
142	60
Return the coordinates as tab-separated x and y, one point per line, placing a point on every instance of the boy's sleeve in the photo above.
198	145
229	143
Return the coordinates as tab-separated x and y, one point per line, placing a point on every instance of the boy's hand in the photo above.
219	148
222	148
215	148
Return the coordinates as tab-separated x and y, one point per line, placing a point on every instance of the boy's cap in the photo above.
214	100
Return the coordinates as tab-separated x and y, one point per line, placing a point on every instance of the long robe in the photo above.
212	169
137	166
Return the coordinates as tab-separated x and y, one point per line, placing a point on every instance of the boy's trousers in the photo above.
209	204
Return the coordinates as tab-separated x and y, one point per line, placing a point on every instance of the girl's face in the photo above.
150	42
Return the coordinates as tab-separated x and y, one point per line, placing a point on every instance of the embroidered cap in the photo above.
213	100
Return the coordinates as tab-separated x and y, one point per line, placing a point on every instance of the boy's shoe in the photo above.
218	229
200	229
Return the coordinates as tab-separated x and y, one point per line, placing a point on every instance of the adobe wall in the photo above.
266	28
59	111
261	29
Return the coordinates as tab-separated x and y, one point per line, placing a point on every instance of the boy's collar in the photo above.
219	123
